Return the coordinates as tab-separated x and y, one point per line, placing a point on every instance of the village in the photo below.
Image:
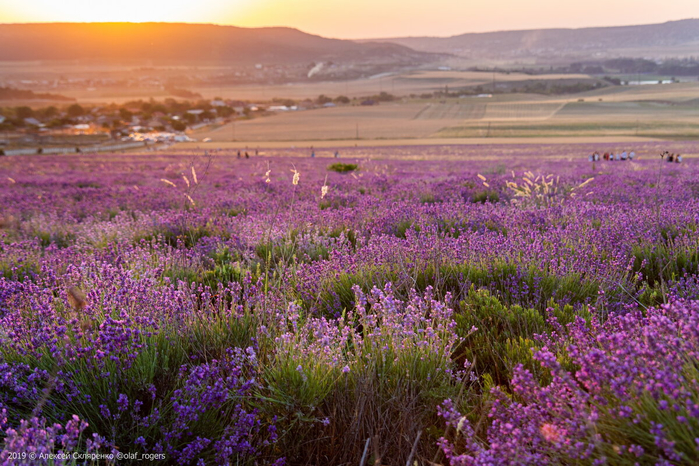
78	128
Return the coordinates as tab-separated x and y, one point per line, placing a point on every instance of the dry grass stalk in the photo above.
6	221
76	298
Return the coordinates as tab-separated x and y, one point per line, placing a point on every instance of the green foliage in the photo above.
21	271
635	429
179	235
505	334
660	263
151	380
428	198
329	412
343	167
61	239
539	290
335	202
349	235
485	196
403	226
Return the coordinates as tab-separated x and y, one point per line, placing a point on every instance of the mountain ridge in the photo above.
561	42
185	42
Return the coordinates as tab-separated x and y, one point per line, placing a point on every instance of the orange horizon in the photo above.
359	19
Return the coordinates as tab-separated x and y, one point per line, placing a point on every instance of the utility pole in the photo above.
357	131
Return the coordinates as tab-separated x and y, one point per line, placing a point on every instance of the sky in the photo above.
357	19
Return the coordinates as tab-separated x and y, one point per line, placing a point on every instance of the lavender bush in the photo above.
217	310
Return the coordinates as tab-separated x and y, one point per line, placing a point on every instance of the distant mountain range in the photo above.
187	44
674	38
176	43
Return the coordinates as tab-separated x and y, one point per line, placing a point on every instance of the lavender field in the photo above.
439	305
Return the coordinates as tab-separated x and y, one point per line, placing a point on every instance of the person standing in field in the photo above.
624	155
632	154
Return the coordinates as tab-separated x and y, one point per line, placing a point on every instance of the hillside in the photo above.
172	43
674	38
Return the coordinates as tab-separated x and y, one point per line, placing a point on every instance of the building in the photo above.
33	122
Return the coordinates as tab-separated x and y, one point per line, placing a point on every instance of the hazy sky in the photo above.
361	18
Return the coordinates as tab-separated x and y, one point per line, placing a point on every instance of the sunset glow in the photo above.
358	18
206	11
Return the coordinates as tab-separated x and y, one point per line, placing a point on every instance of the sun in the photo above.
136	11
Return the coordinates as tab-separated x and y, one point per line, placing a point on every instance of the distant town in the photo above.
74	127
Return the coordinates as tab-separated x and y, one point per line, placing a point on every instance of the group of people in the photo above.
611	156
247	156
622	156
676	158
313	153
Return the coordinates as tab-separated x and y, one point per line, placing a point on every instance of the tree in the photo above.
125	114
342	99
224	111
75	110
178	125
323	99
24	112
50	112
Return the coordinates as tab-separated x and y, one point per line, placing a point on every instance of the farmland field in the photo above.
657	111
439	304
398	83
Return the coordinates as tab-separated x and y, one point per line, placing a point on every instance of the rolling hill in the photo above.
175	43
674	38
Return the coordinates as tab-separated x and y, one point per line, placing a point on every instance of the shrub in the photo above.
485	196
343	167
628	397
